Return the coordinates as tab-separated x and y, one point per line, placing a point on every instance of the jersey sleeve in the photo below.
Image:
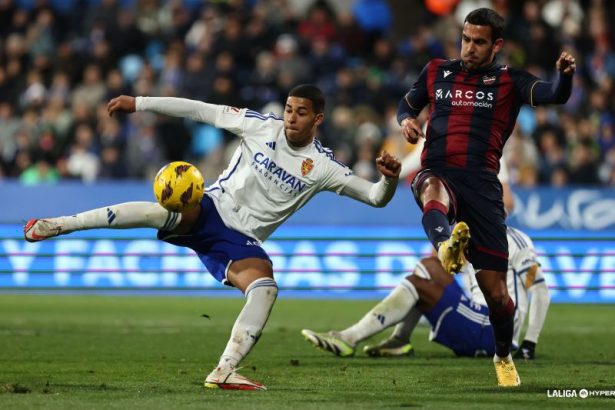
231	119
336	176
525	264
534	91
244	122
524	84
411	105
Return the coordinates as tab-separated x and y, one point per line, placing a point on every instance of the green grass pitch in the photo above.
154	352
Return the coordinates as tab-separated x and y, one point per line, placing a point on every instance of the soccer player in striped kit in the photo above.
473	104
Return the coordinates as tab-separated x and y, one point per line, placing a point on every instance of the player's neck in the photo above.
299	144
483	68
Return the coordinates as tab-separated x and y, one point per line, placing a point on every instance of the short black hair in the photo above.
487	17
312	93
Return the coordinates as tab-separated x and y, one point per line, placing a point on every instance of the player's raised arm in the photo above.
558	92
174	107
380	193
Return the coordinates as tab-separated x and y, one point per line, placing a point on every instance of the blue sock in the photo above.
435	223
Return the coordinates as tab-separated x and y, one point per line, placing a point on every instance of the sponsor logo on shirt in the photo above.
465	98
283	179
307	166
447	73
271	144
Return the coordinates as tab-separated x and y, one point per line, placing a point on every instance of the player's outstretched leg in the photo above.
120	216
450	252
329	342
506	372
391	310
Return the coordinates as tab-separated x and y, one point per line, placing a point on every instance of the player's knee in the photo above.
263	288
411	279
433	188
423	268
432	265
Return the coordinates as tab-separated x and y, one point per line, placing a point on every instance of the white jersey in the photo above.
267	180
521	276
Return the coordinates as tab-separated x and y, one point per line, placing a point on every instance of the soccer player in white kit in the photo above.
276	169
458	322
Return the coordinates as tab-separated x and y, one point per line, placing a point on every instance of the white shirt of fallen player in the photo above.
267	180
526	285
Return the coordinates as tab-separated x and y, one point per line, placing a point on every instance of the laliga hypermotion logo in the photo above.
307	166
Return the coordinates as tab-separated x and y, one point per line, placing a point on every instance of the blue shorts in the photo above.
215	244
461	325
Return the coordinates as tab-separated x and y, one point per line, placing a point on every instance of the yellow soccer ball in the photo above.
179	186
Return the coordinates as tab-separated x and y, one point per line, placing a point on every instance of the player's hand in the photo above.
388	165
566	63
123	103
526	351
411	129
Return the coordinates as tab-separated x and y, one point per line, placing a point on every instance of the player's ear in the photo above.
320	117
498	45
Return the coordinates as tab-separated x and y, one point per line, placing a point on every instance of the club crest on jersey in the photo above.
307	166
488	80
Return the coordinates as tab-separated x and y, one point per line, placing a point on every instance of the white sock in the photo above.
404	329
120	216
389	311
260	296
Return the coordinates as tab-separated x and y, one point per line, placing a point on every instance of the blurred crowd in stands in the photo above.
62	60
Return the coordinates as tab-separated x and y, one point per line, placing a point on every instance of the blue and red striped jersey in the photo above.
473	112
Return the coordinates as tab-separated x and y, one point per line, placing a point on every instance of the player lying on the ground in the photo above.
276	169
458	322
